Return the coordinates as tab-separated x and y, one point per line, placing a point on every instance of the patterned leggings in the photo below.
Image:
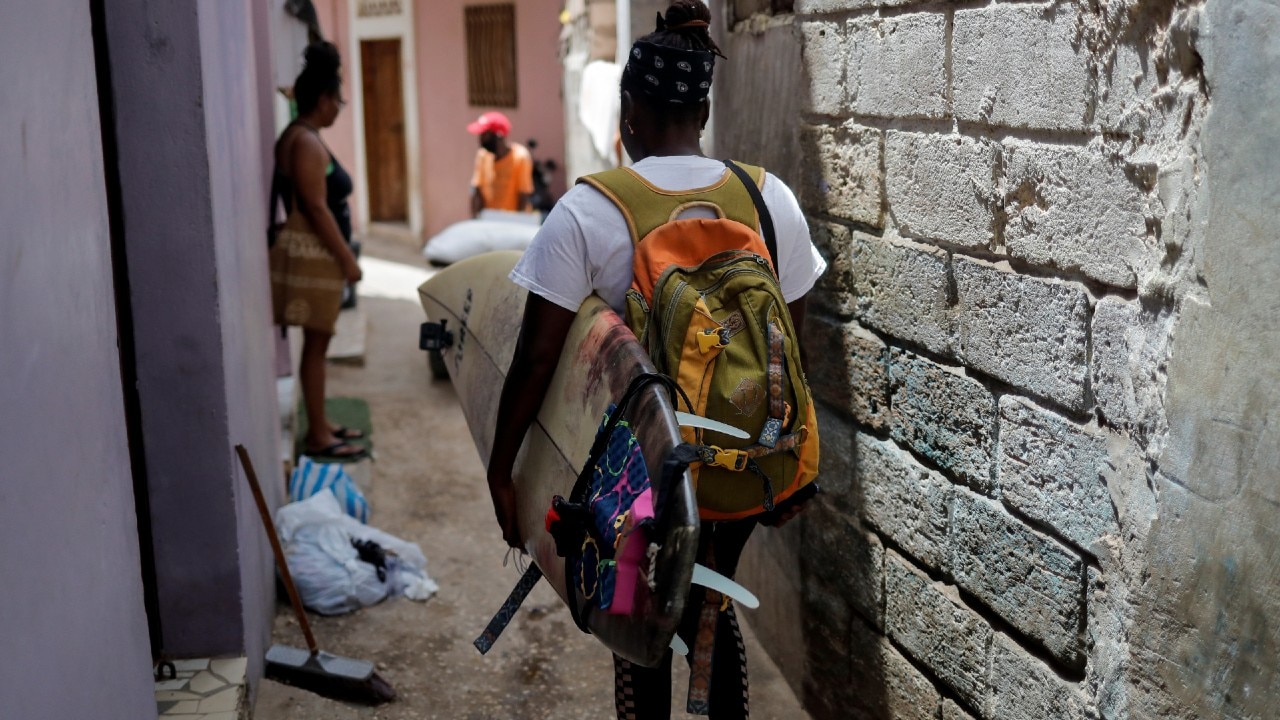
645	693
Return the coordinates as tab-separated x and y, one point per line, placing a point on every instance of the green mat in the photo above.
345	411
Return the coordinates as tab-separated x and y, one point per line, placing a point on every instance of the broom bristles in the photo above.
373	690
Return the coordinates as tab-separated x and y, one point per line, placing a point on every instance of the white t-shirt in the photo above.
584	245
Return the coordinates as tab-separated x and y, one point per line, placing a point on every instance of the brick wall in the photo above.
1011	198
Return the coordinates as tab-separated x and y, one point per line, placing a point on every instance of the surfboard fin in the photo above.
433	337
708	578
678	646
691	420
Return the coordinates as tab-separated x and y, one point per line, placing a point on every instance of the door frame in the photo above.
390	27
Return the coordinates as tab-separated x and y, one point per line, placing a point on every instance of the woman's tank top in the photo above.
338	187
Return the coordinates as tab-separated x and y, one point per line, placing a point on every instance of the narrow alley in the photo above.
428	487
1027	248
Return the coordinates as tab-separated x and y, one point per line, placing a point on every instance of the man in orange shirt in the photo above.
503	178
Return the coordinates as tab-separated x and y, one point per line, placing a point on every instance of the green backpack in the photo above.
705	301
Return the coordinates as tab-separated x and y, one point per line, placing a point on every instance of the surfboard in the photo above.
483	309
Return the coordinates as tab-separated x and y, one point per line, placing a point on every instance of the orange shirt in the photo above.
502	182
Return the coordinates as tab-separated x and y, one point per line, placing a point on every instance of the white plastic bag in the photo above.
326	568
462	240
514	216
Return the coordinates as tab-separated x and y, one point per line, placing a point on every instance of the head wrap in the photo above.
670	74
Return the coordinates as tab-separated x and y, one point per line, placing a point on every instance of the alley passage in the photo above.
429	488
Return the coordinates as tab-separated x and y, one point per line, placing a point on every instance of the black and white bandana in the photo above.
671	74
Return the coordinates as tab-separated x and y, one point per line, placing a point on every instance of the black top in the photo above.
338	187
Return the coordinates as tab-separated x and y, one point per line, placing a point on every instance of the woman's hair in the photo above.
683	28
686	27
319	77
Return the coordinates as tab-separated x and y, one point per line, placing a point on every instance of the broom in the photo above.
330	676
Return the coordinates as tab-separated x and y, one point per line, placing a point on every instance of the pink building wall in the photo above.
335	20
446	151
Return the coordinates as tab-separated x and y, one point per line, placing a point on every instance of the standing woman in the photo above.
585	247
311	260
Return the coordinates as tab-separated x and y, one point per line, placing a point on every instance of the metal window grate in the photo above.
491	55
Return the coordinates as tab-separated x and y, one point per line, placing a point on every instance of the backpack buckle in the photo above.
735	460
713	339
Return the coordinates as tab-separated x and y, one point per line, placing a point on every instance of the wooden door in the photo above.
384	143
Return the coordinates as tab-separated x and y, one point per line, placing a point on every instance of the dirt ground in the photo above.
428	488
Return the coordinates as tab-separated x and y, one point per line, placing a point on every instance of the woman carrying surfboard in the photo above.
588	246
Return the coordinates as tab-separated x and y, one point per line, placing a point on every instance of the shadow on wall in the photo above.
847	660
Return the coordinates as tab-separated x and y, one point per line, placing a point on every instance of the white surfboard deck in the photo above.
483	309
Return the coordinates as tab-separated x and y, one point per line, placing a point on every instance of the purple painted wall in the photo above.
186	91
73	627
238	183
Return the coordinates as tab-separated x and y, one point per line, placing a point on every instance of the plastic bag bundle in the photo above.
326	566
310	477
493	230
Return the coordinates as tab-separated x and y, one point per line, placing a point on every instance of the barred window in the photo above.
491	55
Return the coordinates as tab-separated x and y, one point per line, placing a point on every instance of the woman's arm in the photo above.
542	335
310	160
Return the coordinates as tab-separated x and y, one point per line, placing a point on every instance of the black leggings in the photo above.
645	693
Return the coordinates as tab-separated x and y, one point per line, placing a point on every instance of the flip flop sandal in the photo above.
347	433
331	452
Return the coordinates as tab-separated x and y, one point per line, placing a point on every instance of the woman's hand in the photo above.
787	516
789	509
351	268
503	493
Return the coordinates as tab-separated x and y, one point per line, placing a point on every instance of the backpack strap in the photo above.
646	206
766	220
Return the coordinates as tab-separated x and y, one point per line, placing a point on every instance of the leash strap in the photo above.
508	610
777	406
702	654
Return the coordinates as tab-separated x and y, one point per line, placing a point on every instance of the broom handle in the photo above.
270	527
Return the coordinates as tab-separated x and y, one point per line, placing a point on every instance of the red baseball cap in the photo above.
491	121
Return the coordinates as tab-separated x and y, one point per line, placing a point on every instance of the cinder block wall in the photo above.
1014	201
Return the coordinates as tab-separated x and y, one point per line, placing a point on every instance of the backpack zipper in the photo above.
671	308
729	274
711	264
648	319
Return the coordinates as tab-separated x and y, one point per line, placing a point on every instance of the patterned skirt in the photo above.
306	280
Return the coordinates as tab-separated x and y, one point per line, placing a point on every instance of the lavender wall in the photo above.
73	626
185	85
234	132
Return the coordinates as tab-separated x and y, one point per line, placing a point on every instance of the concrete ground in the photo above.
428	487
